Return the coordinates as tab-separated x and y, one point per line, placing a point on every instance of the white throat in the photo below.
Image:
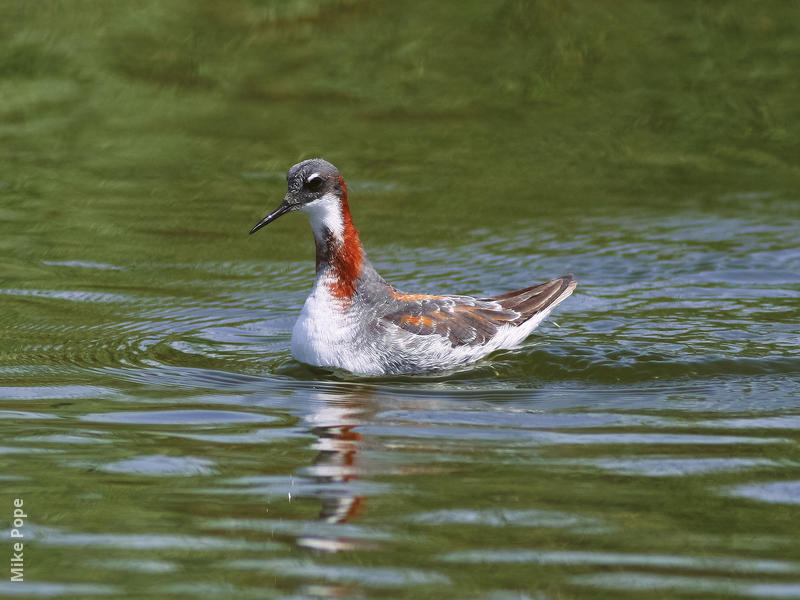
325	214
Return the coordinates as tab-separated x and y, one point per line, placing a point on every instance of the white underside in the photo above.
328	334
325	334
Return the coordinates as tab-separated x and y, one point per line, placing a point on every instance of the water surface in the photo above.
643	441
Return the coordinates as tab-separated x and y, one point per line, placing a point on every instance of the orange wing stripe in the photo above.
411	320
413	297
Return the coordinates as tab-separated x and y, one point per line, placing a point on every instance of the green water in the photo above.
642	443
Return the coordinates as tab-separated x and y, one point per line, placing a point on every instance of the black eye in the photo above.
314	183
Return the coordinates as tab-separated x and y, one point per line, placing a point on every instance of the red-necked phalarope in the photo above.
354	320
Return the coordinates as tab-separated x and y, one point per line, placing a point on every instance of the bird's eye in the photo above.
314	182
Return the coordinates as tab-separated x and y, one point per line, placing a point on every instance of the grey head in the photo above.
306	182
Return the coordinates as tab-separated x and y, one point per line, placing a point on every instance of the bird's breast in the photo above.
327	329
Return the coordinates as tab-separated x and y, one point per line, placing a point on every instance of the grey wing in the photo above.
460	319
467	321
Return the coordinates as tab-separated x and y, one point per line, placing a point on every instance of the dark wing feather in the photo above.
532	300
460	319
464	320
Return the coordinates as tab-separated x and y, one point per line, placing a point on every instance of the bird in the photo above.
355	321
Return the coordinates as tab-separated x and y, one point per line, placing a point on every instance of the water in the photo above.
165	444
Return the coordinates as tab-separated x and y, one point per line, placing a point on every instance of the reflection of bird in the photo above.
354	320
336	469
338	461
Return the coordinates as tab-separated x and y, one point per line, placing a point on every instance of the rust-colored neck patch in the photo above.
344	255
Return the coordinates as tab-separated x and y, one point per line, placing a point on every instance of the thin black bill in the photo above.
281	210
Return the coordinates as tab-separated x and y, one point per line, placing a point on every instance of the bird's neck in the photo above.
340	256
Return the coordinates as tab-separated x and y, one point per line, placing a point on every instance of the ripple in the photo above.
55	392
214	590
166	376
42	589
147	566
299	487
551	438
615	559
13	415
778	422
27	450
71	295
66	438
368	576
778	492
145	541
258	436
525	419
177	417
668	466
499	517
304	528
160	465
81	264
647	582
